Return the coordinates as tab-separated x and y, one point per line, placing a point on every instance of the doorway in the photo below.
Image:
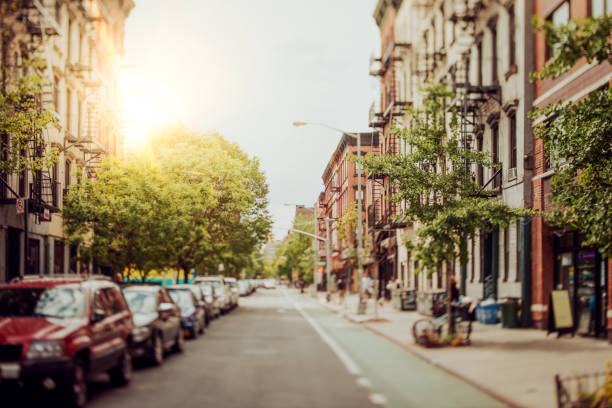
13	253
583	273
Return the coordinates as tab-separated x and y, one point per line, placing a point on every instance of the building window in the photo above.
512	141
481	254
442	13
23	177
56	92
67	174
54	184
512	34
506	253
600	7
518	250
69	41
493	29
473	260
479	168
479	59
69	110
495	152
79	118
560	16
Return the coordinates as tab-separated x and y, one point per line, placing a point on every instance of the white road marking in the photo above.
378	399
364	382
348	362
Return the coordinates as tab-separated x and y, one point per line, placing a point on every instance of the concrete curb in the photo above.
414	350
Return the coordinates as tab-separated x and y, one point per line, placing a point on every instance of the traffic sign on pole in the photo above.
20	205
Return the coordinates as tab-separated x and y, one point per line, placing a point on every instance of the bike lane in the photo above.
394	376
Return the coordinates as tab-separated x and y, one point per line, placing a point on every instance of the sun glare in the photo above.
147	102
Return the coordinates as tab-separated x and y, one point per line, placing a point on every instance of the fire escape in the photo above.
43	190
394	100
471	100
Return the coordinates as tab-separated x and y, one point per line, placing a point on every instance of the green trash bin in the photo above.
509	314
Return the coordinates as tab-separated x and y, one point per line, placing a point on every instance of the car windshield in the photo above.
182	298
140	302
44	302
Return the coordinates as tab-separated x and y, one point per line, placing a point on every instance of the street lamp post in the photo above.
359	208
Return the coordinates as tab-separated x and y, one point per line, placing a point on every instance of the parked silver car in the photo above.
220	288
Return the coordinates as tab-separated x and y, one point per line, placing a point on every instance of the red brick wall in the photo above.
542	238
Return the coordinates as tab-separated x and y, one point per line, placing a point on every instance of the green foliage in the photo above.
295	252
23	118
589	38
444	202
119	215
188	201
577	136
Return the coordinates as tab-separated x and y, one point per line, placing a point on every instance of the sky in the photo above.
248	69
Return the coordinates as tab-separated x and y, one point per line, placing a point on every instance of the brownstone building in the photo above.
558	259
340	182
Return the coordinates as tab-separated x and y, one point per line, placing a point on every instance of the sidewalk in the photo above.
516	365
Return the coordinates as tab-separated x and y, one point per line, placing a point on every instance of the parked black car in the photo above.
193	312
157	322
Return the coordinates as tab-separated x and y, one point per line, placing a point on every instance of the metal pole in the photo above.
328	259
26	238
359	227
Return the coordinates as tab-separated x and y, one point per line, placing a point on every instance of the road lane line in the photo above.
348	362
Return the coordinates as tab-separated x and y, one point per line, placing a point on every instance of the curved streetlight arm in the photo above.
309	234
298	123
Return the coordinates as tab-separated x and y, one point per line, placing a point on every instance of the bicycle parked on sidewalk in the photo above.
424	329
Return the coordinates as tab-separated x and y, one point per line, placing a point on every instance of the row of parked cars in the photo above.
56	332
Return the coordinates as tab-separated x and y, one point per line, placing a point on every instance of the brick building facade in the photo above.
558	259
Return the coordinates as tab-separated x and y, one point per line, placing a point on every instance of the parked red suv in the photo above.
56	331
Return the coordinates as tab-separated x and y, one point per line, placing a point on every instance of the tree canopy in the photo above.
295	252
186	201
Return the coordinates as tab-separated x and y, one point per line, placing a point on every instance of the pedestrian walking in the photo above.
341	285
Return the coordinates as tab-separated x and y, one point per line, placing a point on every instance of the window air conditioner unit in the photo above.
511	174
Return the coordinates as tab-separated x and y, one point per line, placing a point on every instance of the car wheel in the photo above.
77	393
122	373
202	325
158	350
179	343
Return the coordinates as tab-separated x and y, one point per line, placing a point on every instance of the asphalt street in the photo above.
282	349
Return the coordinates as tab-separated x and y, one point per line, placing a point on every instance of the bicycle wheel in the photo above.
421	331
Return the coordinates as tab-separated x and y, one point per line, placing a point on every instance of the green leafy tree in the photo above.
576	134
118	218
296	250
444	203
223	194
24	119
